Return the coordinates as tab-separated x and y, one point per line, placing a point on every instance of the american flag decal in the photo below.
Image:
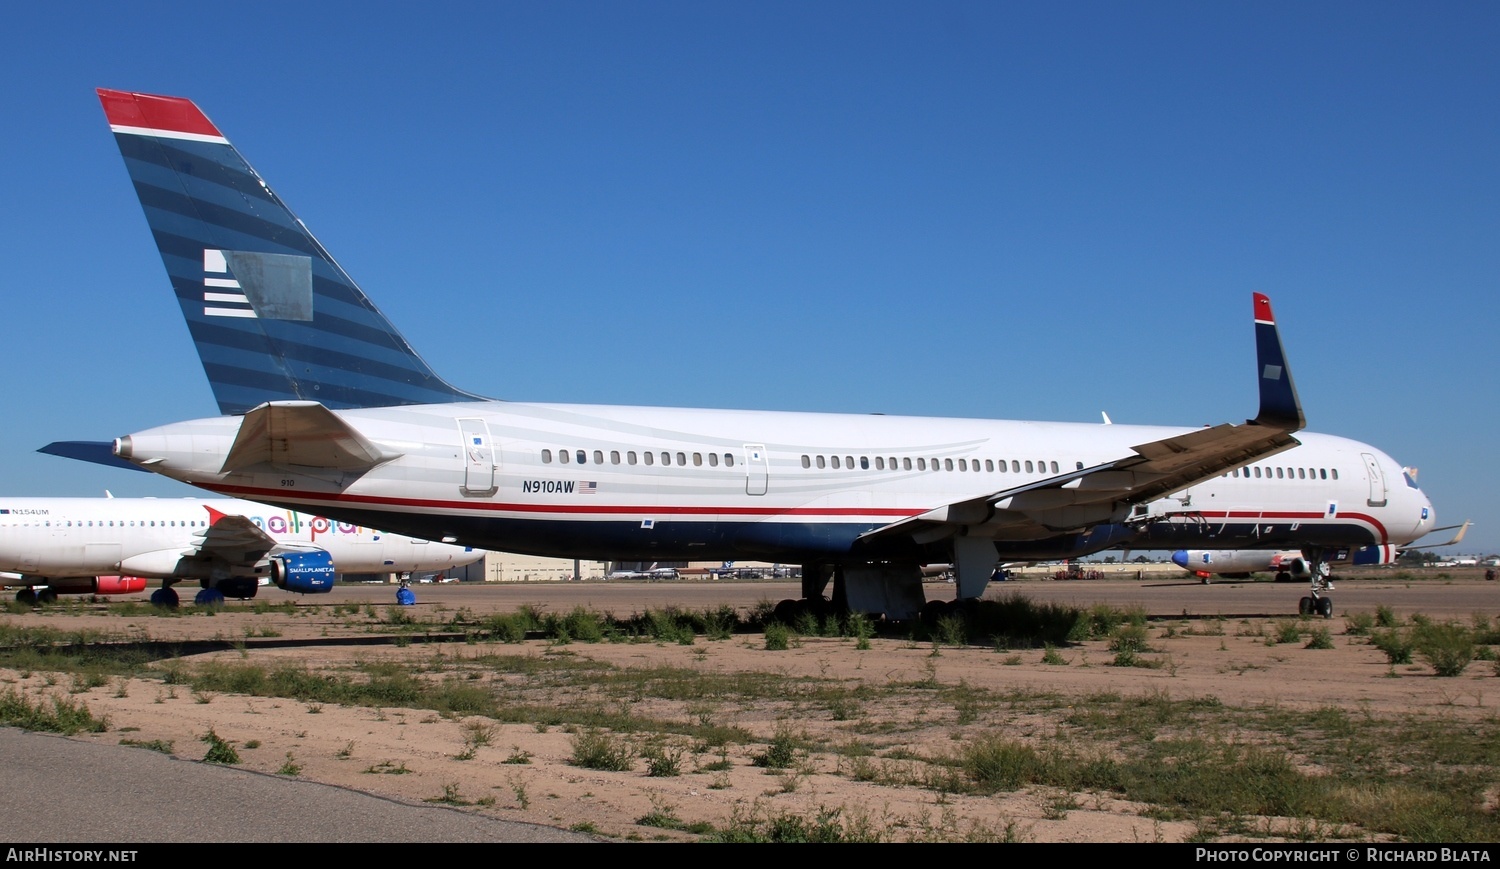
588	488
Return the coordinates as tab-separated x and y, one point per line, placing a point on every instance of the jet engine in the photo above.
93	584
306	572
119	584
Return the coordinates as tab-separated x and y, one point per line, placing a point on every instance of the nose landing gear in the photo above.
1317	603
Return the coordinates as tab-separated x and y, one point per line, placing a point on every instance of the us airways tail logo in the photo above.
272	286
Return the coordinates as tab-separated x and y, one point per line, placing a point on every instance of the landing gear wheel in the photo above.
787	611
1325	607
26	596
165	598
1305	606
934	610
46	595
209	597
1283	576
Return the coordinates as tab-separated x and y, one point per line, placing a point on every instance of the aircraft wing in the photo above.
1105	493
234	539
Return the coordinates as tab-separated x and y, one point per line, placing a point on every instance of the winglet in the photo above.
1279	406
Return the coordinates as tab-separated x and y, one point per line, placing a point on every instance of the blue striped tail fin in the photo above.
1279	405
273	316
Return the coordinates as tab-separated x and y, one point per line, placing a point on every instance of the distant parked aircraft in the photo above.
52	546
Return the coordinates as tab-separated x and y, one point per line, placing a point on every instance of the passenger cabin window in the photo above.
630	457
666	458
729	460
820	462
880	463
835	461
599	457
697	460
921	464
546	457
562	456
682	459
806	462
583	457
864	463
713	460
614	457
649	457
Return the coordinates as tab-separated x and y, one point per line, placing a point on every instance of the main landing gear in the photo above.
1317	603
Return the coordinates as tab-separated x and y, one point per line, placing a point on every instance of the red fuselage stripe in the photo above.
667	510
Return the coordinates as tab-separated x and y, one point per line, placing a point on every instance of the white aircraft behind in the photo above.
1240	563
1291	564
52	546
327	408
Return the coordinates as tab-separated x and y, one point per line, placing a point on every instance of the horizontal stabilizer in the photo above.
302	434
98	452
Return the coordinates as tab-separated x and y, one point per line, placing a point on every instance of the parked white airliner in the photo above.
327	408
52	546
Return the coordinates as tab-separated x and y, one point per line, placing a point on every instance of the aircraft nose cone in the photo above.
1180	558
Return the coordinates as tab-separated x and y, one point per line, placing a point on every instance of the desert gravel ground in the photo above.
1208	642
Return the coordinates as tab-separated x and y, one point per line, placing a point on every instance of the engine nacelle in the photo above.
119	584
86	584
304	572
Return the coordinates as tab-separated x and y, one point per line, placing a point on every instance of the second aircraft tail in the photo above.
273	316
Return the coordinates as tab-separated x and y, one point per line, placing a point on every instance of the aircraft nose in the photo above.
1180	558
1423	516
1429	515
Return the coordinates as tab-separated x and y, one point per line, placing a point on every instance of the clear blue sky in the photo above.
1020	210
